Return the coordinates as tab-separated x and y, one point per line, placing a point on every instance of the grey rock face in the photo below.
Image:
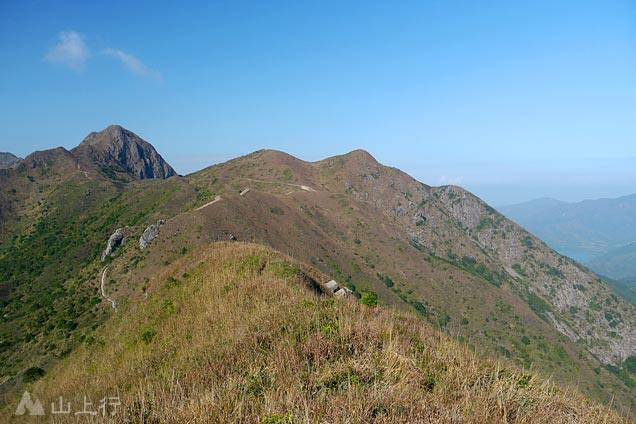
116	149
8	160
114	241
149	234
581	307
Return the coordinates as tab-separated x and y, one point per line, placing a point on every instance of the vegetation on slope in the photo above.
456	261
232	334
49	272
439	252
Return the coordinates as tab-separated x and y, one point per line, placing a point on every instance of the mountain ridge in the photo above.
439	252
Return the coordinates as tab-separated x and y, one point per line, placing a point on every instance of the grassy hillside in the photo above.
438	252
264	346
49	267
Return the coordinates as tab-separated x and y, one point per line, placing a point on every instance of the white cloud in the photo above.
132	63
70	50
444	180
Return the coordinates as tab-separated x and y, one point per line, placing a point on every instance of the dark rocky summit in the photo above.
116	150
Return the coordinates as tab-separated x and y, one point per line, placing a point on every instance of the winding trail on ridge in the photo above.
102	288
246	190
216	199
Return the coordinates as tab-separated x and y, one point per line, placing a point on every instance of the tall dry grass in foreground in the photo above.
234	336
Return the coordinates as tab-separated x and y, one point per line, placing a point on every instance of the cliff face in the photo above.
117	150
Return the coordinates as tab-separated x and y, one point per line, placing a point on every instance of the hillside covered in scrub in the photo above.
240	333
84	233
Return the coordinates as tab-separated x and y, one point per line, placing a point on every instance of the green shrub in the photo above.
386	280
519	270
527	242
147	336
420	308
484	223
369	299
32	374
622	375
630	364
443	320
538	305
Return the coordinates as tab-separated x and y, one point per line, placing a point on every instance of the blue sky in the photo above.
512	100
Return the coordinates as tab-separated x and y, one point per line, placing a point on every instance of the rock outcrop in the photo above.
149	234
118	150
114	241
336	289
8	160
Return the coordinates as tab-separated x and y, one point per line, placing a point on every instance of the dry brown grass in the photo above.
241	340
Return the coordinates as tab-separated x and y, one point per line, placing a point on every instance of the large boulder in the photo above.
114	241
149	234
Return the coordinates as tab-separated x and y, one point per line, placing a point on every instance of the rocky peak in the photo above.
8	160
116	149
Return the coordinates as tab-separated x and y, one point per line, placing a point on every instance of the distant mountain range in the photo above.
599	233
438	253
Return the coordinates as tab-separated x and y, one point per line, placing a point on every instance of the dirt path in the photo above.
246	190
302	187
216	199
102	288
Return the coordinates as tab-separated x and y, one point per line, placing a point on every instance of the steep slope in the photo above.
263	346
116	151
8	160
